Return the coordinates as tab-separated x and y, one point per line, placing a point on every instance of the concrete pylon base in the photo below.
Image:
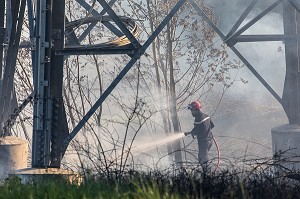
32	175
286	145
13	155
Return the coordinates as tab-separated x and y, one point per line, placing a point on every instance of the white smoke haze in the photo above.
248	111
245	116
227	12
243	120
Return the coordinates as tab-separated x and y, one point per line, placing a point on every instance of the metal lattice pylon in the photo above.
291	16
51	135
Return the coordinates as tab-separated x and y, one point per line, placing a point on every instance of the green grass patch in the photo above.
154	185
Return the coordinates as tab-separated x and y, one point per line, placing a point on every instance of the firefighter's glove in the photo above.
186	133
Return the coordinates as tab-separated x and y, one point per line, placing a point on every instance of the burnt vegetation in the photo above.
267	182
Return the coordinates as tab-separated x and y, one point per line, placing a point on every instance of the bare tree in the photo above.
187	58
186	62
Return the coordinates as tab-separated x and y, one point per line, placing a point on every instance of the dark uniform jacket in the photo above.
202	127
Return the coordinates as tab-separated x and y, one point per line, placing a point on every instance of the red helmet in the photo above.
194	105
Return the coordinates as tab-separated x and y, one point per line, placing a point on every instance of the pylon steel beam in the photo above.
50	131
295	4
291	91
140	51
42	116
50	127
111	27
291	19
119	23
253	21
236	51
2	33
241	18
59	124
95	51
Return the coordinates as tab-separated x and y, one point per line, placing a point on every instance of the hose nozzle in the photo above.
187	133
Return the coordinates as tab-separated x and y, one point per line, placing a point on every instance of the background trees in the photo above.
189	61
186	62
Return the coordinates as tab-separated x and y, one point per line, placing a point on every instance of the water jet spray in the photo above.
146	146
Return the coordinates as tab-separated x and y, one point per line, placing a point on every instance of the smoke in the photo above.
243	119
227	12
266	57
248	112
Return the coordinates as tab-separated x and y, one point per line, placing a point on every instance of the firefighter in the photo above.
202	130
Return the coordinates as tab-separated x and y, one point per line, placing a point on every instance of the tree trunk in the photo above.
173	104
158	80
